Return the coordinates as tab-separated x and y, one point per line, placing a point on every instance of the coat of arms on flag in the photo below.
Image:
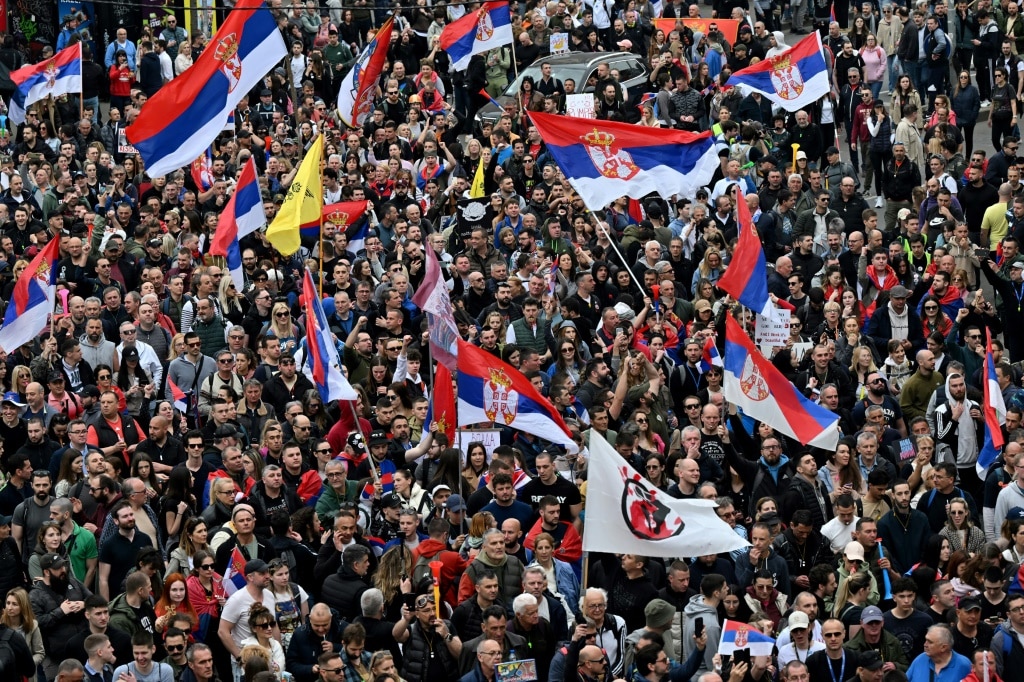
786	78
611	161
226	52
500	399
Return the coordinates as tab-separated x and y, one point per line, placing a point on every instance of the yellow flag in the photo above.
302	205
476	190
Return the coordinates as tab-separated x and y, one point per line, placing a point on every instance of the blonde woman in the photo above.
233	305
862	364
21	377
283	328
176	347
920	479
961	532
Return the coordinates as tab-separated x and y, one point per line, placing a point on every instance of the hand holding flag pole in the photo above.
885	572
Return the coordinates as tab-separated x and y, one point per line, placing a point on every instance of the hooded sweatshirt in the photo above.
780	44
698	609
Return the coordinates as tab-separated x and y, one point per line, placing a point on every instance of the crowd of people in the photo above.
181	503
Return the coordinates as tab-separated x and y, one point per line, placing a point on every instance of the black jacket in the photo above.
305	648
342	592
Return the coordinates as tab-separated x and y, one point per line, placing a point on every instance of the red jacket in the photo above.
570	550
452	566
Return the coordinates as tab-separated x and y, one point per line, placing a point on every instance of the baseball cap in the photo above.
12	398
439	488
831	150
455	503
969	604
355	441
871	614
1019	264
854	551
89	391
54	376
155	243
288	140
1015	513
379	437
5	520
871	660
798	621
392	501
256	566
51	561
130	353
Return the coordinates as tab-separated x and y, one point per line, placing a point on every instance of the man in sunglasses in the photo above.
175	642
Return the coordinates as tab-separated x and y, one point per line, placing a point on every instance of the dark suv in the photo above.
578	66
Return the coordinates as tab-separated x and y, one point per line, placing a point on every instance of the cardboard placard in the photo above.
123	146
491	438
580	106
516	671
772	330
559	43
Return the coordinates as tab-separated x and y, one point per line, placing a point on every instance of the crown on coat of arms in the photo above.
599	138
499	378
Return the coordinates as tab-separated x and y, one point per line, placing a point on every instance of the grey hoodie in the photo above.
698	609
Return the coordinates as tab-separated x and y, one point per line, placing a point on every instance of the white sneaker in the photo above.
985	104
879	202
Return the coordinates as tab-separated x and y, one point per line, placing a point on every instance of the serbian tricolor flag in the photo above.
492	391
612	159
746	277
793	79
709	356
323	367
994	409
737	635
432	298
484	93
349	217
387	476
234	574
442	404
61	74
187	114
355	98
635	211
178	396
202	171
477	32
32	300
242	215
756	386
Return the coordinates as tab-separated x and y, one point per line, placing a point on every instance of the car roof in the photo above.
588	58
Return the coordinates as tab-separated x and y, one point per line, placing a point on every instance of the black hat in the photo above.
265	92
391	501
355	441
130	353
379	437
871	660
89	391
225	431
51	561
831	150
55	376
256	566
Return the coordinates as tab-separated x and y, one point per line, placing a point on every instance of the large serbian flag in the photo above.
477	32
793	79
604	160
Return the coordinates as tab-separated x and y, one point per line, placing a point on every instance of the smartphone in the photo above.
741	656
410	601
698	627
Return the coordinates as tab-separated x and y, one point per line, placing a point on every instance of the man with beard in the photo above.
30	515
59	599
895	321
903	531
117	554
959	430
18	487
96	349
132	610
234	623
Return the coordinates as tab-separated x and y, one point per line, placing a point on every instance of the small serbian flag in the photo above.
347	217
792	79
202	170
483	93
476	32
746	278
242	215
737	635
234	574
61	74
710	357
179	397
994	410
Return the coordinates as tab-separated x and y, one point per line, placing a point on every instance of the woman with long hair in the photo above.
174	599
206	593
966	103
648	441
283	328
291	602
1013	533
410	492
921	468
904	94
70	472
233	304
958	576
177	506
933	318
862	364
875	60
1003	114
142	468
135	383
568	361
851	598
841	474
710	267
21	377
19	616
313	407
880	129
655	471
961	532
194	537
560	576
392	579
851	339
476	464
449	472
480	523
377	379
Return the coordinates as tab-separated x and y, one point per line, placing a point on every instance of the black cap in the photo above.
51	561
871	660
831	150
265	92
256	566
969	604
392	501
89	391
130	353
55	376
379	437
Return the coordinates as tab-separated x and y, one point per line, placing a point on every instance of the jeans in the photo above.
968	130
93	102
913	69
876	89
878	161
891	59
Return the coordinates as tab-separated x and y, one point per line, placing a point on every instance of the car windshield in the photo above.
577	72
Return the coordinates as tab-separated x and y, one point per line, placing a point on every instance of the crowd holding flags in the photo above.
61	74
303	205
358	90
322	366
793	79
32	300
746	278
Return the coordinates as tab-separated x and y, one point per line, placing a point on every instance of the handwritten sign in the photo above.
772	330
580	106
559	43
491	438
516	671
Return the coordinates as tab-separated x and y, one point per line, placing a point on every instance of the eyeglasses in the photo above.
101	377
393	349
194	344
931	307
975	337
127	331
831	634
194	446
953	512
324	451
236	337
603	659
570	349
640	421
691	407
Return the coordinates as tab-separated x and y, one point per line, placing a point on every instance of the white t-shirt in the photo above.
236	612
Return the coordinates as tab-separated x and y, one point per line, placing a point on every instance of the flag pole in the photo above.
320	280
599	226
359	427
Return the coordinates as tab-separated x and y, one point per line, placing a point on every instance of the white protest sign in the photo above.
580	106
491	438
772	330
559	43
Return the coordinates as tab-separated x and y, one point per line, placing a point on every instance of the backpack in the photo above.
8	661
421	570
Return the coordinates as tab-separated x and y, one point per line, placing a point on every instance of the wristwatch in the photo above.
449	637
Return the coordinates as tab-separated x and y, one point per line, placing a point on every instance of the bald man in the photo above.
918	389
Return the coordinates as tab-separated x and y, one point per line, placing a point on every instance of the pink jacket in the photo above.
874	64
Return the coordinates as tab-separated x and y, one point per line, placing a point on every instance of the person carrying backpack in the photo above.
435	547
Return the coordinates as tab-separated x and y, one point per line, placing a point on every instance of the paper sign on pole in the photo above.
491	438
772	330
559	43
580	106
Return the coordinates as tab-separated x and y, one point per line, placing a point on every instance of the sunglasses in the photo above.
207	567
